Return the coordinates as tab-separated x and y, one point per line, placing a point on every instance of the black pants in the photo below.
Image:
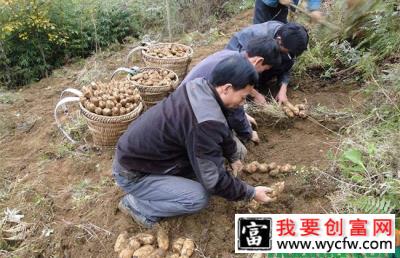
264	13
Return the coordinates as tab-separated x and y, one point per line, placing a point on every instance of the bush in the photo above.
38	35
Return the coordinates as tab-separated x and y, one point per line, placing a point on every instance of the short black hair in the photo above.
294	37
236	70
265	47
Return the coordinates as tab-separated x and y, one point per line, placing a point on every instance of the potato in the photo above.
144	251
177	245
263	168
115	111
301	106
288	112
285	168
274	172
133	243
95	101
122	111
252	167
145	238
123	102
272	166
91	107
102	104
121	242
277	189
162	239
294	109
187	247
126	253
98	111
173	256
303	114
107	112
109	104
158	253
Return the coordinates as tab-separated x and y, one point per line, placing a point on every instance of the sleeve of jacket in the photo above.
238	122
205	151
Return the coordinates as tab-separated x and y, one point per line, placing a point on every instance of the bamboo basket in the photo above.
179	65
105	130
151	95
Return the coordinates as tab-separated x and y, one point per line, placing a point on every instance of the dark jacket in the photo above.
237	119
186	132
266	29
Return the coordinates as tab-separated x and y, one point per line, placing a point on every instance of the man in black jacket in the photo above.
263	53
292	39
171	159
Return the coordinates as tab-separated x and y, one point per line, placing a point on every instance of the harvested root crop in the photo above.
294	110
277	189
145	245
144	251
272	168
154	78
168	51
122	242
110	99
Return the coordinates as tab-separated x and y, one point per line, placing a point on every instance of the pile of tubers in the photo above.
153	78
145	245
110	99
168	51
294	110
272	168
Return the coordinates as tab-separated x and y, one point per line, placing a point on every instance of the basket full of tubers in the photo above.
172	56
153	83
108	108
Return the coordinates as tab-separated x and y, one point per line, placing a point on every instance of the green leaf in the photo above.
354	156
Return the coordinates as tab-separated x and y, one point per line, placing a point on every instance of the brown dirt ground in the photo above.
73	195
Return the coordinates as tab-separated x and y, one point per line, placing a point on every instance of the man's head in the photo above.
292	38
233	79
263	53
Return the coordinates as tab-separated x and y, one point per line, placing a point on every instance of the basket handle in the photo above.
61	103
135	50
131	71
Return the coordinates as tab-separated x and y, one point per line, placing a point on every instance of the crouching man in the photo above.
171	159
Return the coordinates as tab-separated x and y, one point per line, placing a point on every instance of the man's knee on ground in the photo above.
198	200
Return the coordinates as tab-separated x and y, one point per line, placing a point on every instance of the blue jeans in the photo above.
159	196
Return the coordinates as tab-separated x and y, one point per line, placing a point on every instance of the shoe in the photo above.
125	208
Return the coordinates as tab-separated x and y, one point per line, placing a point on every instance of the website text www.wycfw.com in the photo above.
328	246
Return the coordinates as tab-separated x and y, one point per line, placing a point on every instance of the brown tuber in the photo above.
187	247
126	253
144	251
121	242
162	239
177	245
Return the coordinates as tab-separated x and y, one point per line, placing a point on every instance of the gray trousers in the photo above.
159	196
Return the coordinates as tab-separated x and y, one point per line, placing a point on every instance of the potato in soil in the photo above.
121	242
144	251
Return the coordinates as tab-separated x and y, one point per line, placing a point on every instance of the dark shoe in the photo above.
125	208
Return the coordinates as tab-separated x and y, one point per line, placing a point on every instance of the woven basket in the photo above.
177	64
151	95
106	130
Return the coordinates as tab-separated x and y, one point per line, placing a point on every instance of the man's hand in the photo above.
254	137
251	119
236	166
282	97
285	2
316	16
261	194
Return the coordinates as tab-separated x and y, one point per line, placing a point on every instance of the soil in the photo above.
70	199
